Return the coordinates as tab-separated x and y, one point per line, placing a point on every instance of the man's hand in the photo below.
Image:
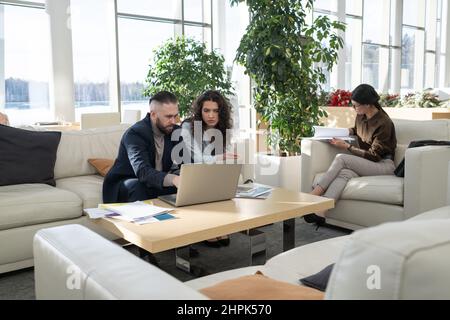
176	181
341	144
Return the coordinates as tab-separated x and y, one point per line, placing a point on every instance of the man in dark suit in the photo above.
144	167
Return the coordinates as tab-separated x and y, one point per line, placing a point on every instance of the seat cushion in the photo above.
30	204
304	261
289	266
88	188
381	189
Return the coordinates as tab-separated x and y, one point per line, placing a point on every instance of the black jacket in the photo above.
136	159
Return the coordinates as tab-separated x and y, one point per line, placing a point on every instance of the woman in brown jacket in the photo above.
373	155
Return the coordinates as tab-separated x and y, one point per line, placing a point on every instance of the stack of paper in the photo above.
253	191
138	212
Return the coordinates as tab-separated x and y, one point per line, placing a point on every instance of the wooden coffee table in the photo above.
205	221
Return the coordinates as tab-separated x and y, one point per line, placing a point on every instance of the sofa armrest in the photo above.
426	179
317	157
72	262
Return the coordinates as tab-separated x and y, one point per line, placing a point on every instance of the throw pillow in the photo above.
260	287
27	156
102	165
319	280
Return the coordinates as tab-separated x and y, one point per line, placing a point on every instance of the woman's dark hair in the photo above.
366	94
224	112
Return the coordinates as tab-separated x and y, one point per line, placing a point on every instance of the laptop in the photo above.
203	183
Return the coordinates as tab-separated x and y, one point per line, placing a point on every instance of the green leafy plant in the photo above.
186	68
286	58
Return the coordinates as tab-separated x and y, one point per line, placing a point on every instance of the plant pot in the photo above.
283	172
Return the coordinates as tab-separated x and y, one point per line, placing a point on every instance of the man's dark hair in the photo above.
163	97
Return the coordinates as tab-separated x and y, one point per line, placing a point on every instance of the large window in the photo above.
353	38
24	63
91	44
396	45
143	26
137	39
232	22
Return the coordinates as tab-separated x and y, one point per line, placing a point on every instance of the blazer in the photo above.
136	159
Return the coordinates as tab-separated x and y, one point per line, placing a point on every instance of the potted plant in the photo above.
285	56
186	68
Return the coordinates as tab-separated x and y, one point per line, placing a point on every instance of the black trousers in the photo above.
132	190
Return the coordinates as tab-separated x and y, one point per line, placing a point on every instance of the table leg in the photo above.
183	262
151	258
288	234
183	259
258	252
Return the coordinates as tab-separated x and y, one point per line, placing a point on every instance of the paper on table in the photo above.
96	213
135	210
157	218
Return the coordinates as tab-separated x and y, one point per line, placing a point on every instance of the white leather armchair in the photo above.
369	201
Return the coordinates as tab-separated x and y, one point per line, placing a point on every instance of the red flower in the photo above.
340	98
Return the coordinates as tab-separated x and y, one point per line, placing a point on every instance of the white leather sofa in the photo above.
400	260
26	208
369	201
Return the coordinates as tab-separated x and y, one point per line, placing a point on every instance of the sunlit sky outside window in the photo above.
27	49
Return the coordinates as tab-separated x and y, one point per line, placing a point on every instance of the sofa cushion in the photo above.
288	266
382	189
102	166
305	260
260	287
400	260
27	156
76	147
88	188
30	204
410	130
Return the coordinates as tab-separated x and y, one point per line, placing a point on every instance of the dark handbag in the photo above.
400	170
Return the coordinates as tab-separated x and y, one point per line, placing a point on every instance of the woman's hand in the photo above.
341	144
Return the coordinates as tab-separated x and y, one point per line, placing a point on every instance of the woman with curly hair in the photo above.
206	132
206	135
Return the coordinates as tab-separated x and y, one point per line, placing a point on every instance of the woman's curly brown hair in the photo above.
225	121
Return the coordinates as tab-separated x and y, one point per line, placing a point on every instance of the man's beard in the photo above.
165	130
